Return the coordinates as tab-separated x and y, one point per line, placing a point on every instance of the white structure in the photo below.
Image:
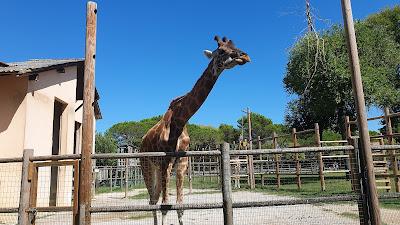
41	109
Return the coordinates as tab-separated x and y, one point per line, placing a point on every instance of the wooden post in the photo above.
126	177
294	139
389	132
356	182
250	157
276	158
351	154
75	205
375	215
203	166
88	111
190	176
261	163
259	145
320	161
23	215
226	185
348	128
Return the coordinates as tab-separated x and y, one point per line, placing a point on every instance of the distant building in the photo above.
41	109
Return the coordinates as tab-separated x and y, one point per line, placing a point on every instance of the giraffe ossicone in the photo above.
170	133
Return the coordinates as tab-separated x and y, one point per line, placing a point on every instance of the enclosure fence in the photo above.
41	202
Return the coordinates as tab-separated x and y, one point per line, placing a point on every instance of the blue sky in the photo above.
149	52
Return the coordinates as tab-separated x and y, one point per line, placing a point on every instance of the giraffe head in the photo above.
226	56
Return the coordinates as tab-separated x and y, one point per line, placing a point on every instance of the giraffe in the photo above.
170	133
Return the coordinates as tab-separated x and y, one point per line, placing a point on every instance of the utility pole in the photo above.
250	157
88	114
365	151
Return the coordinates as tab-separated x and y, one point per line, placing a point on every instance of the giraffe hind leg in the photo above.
181	167
150	175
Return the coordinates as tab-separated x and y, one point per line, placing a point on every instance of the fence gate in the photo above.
33	178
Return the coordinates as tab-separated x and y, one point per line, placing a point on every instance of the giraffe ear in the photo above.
208	53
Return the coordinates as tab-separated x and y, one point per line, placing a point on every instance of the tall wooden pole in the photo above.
251	161
361	113
88	111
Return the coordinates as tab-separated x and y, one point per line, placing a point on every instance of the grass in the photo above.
349	215
390	203
335	185
139	216
141	195
197	182
310	186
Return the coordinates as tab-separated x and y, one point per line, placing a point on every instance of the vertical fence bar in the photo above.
389	132
297	160
88	110
226	185
320	161
126	177
371	191
276	159
23	216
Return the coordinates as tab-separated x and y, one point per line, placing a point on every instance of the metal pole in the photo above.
88	111
226	185
23	216
361	113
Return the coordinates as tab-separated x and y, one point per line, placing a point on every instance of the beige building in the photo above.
41	109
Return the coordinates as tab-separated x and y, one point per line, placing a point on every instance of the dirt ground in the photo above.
343	213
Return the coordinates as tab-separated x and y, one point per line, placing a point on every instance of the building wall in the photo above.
28	124
51	86
12	115
12	126
41	95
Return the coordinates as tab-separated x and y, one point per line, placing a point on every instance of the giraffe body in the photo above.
170	133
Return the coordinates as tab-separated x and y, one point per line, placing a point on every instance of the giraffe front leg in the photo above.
165	178
181	167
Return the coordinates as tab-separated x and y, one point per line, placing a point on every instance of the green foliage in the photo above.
330	135
204	136
229	133
131	132
105	144
260	126
318	72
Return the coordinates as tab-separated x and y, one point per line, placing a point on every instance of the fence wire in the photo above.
10	185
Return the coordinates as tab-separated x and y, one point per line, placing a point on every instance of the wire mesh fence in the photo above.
120	196
10	184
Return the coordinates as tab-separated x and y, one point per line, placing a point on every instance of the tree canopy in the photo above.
318	72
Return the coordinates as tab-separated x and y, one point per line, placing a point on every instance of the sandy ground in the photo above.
345	213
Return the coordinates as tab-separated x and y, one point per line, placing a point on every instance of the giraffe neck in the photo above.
184	107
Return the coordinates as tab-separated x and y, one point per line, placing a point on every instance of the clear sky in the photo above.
149	52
